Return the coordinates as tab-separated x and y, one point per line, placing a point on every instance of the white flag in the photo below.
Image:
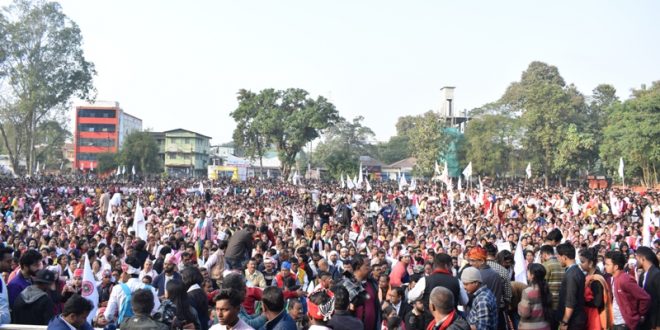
529	170
646	226
356	183
37	169
459	183
89	289
343	183
123	169
118	170
480	198
467	172
133	170
621	167
436	169
359	180
413	184
349	182
368	185
91	166
139	225
61	165
520	265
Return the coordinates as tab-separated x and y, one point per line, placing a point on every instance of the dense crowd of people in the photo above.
267	254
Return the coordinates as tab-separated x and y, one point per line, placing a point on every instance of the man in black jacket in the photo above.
650	281
324	210
342	319
34	305
396	298
239	248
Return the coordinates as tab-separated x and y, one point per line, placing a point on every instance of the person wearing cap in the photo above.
483	311
124	291
169	273
285	272
105	287
74	286
269	272
34	305
477	258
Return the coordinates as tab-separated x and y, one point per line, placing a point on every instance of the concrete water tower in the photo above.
454	128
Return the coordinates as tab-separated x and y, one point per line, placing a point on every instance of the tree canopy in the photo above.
41	68
287	119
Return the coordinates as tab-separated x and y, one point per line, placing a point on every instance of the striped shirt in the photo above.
530	310
483	314
554	276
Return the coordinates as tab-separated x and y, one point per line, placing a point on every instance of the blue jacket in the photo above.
281	322
58	324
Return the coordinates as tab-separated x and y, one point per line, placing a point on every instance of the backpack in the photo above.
125	310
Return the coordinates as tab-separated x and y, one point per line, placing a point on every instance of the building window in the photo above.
86	142
93	113
87	156
110	128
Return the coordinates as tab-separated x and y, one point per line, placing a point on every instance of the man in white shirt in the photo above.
119	292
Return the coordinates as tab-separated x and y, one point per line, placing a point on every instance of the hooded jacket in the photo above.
33	306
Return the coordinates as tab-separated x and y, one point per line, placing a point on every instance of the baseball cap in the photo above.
45	276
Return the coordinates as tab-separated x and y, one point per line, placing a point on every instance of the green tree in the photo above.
427	141
50	138
140	149
633	132
289	119
249	133
107	162
546	106
397	148
342	146
490	142
42	67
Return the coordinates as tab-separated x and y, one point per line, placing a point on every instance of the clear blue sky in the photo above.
180	63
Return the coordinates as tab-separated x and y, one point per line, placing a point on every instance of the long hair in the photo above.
176	293
538	272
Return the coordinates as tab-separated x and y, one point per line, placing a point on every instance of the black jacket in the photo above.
33	306
404	309
652	287
239	245
343	320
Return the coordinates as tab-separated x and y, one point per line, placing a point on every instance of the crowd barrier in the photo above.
27	327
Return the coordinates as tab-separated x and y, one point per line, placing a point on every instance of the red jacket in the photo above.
633	301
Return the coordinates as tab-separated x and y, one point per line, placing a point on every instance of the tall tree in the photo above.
41	69
633	132
140	149
289	119
427	141
342	146
250	133
490	143
546	106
